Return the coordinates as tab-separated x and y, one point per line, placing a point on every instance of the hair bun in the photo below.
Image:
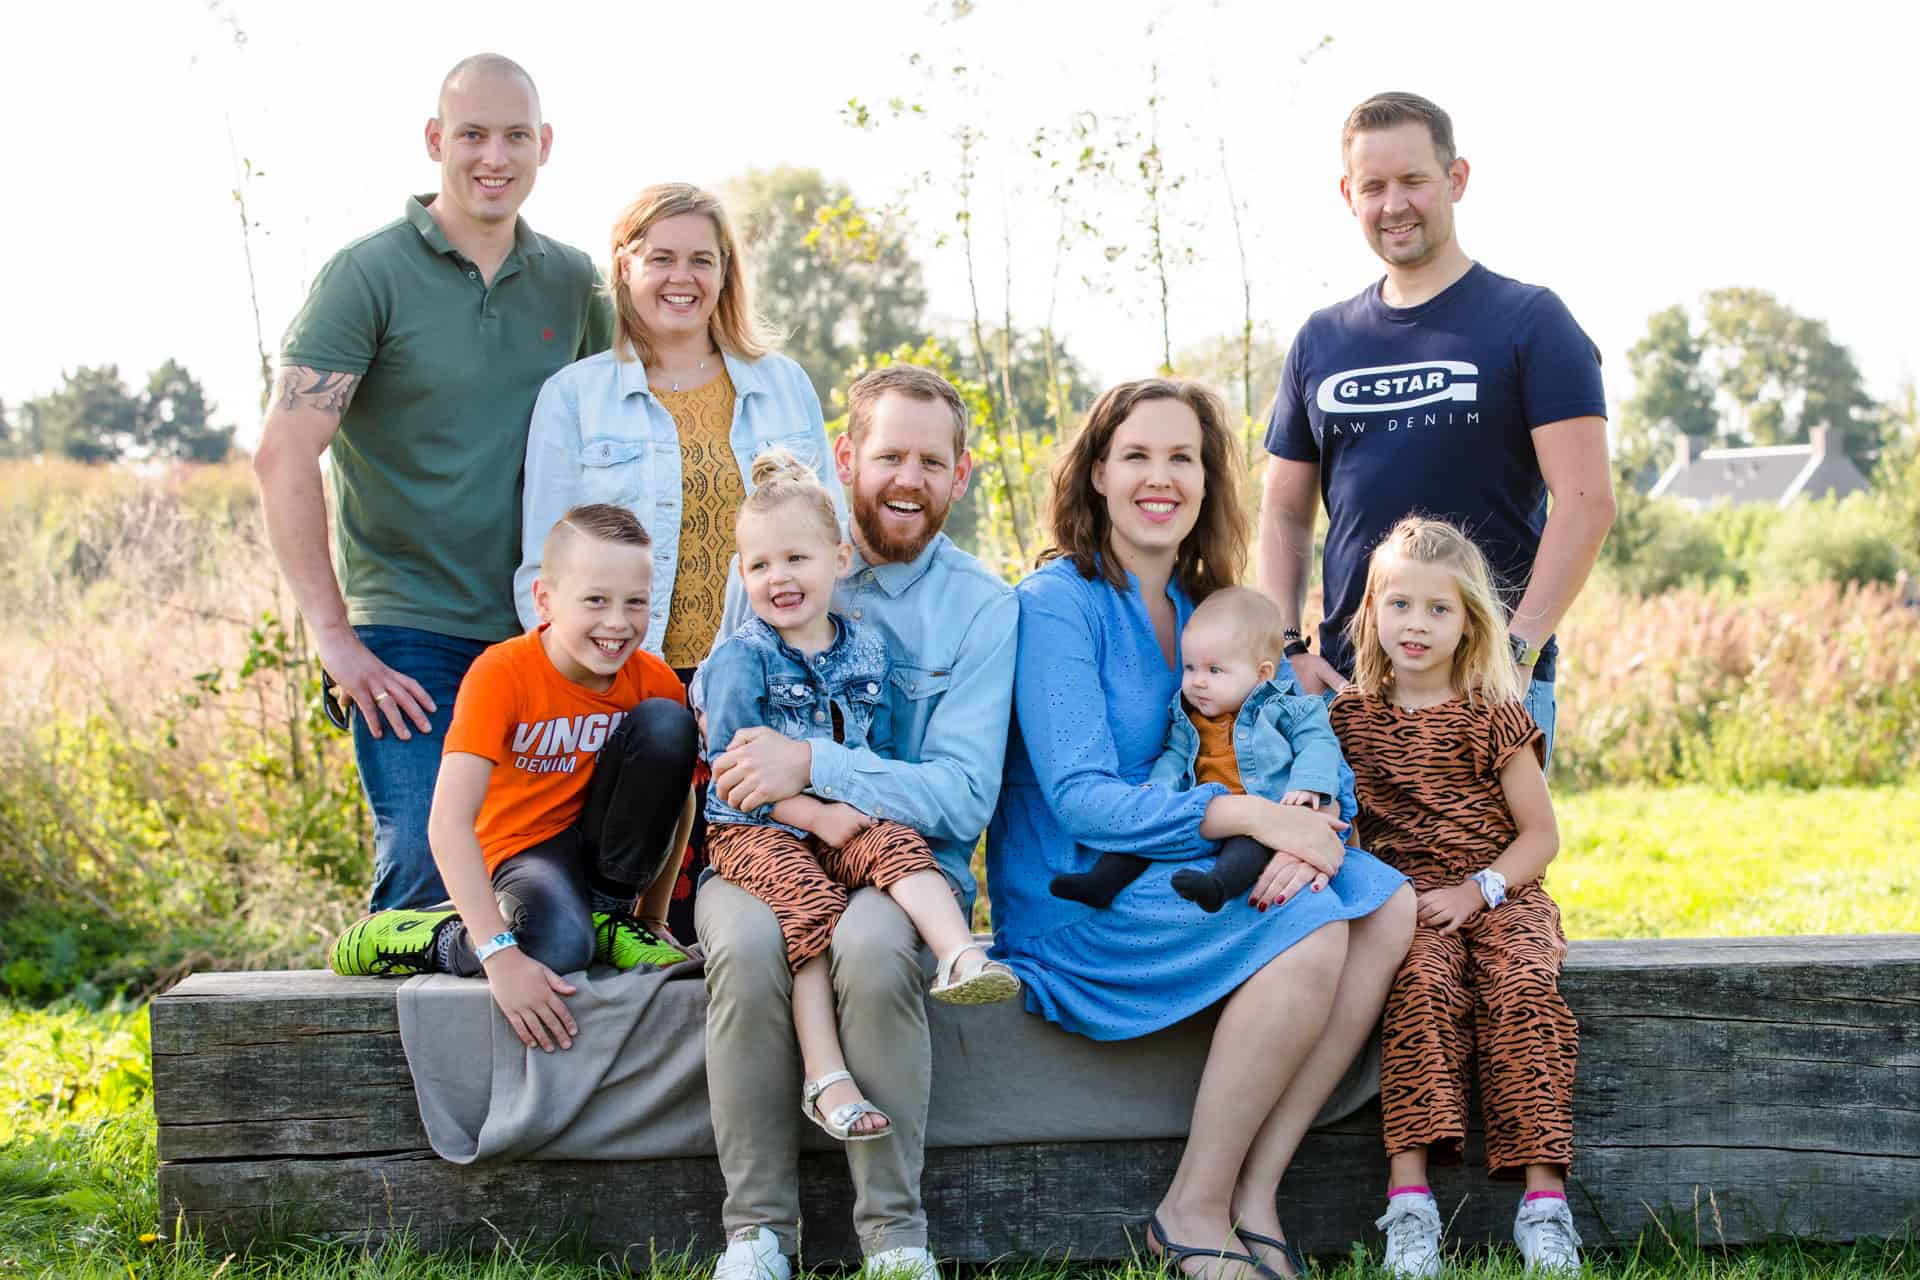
778	464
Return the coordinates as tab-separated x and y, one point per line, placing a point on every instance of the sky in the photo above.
1630	156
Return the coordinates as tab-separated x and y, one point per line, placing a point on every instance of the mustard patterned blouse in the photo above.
711	493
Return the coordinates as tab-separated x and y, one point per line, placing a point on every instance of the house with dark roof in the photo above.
1777	475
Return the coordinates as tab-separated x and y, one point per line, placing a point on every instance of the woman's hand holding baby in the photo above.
1307	851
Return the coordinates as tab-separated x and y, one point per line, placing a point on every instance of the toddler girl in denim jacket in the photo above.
1241	721
804	671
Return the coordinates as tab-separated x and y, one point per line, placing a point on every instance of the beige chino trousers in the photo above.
753	1062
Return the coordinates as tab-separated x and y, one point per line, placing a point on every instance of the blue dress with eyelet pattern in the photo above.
1091	692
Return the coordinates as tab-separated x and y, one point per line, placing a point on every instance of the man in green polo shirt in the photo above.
414	366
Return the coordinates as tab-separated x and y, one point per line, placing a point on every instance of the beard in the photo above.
885	544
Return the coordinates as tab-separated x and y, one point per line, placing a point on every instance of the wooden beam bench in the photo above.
1738	1087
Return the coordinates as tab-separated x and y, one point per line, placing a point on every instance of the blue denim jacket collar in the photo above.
835	654
746	375
1264	691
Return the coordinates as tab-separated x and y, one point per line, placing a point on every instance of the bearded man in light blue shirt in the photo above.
950	627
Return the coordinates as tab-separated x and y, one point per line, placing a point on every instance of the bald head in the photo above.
1254	620
484	66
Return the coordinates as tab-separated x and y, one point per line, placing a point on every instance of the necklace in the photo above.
699	368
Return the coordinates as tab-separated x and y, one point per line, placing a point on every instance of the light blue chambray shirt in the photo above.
600	435
951	627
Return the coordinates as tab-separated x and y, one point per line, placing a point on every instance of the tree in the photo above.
835	277
1753	372
1225	363
173	418
1672	395
91	418
1783	374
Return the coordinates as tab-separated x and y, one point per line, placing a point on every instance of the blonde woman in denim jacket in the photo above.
668	422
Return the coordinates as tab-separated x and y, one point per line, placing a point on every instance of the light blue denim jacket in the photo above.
1282	741
600	435
753	678
951	626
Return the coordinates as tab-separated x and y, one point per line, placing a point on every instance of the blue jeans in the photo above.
398	776
1544	708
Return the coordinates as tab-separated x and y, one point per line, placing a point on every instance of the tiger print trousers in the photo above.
1488	991
805	882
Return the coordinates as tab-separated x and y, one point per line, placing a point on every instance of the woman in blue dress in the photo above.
1146	520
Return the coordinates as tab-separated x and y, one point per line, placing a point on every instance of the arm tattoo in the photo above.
299	387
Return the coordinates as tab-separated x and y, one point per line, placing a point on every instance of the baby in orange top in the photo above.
1240	723
564	793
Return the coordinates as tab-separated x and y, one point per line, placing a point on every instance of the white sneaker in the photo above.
901	1264
753	1254
1412	1225
1544	1231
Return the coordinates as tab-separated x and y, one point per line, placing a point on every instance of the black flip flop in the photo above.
1292	1255
1173	1255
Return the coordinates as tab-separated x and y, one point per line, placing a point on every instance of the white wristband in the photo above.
1493	886
498	942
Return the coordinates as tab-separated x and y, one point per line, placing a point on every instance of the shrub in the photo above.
1808	687
169	793
1851	540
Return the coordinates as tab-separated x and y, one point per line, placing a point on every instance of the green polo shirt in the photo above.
426	466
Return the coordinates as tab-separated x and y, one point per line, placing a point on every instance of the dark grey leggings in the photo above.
612	851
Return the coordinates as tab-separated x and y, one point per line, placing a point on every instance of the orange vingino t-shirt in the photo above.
542	732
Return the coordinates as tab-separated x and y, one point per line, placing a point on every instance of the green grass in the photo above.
1694	861
77	1193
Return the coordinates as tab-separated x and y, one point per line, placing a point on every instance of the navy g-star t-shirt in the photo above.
1430	410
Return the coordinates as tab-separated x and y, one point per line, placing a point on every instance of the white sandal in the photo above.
991	983
845	1116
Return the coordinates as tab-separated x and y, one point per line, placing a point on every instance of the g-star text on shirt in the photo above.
1394	388
549	746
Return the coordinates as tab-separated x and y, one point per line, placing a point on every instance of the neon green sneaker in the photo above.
389	944
623	942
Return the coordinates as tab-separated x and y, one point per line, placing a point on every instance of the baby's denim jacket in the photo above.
1282	741
755	678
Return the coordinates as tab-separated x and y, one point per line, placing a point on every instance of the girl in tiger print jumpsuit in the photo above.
1448	771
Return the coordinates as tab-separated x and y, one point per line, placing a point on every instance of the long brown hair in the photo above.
1214	552
735	327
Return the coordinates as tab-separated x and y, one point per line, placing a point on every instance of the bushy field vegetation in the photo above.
171	797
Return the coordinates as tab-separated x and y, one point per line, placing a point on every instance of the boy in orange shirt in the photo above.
564	793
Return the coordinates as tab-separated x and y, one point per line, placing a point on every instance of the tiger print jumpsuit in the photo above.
1431	805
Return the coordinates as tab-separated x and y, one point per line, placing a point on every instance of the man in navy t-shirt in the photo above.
1443	389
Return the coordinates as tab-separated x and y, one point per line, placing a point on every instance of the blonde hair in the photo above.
1255	619
595	521
735	326
780	479
1482	665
